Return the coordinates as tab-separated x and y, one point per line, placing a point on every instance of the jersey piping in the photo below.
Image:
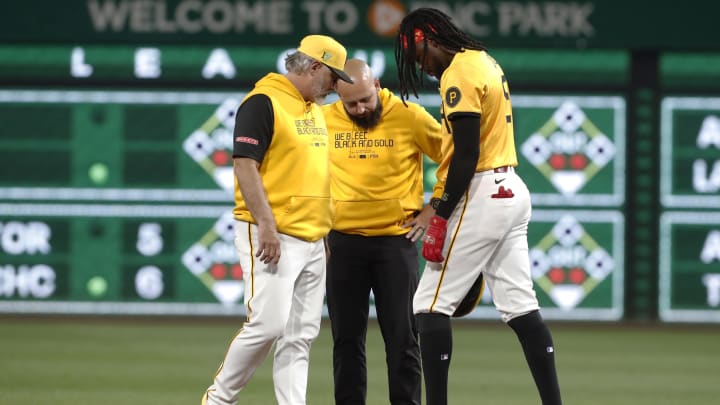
447	258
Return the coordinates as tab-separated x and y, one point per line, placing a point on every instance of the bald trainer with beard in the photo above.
376	184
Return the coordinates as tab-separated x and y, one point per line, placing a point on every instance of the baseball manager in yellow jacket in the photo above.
283	211
376	183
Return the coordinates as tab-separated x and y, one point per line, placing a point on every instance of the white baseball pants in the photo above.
284	305
487	232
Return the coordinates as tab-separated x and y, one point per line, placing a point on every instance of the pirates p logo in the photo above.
452	96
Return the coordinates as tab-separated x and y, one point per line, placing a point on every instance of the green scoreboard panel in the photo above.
690	197
690	267
208	65
577	262
571	149
571	152
113	145
119	202
146	259
690	152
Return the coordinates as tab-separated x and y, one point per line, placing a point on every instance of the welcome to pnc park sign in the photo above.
499	23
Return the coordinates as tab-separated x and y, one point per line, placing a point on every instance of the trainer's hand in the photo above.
419	223
268	244
435	239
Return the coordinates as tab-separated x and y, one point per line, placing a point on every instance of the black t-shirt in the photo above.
253	132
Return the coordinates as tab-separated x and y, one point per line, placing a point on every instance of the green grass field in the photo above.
118	361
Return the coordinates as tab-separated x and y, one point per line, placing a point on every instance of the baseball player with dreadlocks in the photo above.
481	221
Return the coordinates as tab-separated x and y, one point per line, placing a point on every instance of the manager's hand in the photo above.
268	244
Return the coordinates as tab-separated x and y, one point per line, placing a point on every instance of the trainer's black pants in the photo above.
387	265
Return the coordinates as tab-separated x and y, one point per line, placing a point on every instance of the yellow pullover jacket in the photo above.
376	180
294	169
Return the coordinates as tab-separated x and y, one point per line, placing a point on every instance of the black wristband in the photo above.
434	202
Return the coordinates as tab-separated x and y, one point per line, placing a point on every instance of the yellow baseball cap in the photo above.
327	51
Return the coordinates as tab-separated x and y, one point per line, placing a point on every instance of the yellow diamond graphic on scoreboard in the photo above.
569	149
568	264
211	144
213	260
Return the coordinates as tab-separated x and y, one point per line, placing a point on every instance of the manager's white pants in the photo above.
284	306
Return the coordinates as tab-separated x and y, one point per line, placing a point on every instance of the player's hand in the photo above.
419	224
435	239
268	244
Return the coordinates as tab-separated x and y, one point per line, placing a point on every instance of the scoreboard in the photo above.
690	223
115	145
89	259
116	186
119	201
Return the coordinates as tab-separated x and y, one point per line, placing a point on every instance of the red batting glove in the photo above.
434	239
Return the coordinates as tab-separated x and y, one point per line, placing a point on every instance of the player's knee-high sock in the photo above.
537	345
436	352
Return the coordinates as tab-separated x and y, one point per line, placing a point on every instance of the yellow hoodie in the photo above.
376	180
294	170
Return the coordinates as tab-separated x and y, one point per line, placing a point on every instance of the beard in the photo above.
371	120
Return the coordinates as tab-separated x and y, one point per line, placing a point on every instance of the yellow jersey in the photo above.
474	83
376	175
